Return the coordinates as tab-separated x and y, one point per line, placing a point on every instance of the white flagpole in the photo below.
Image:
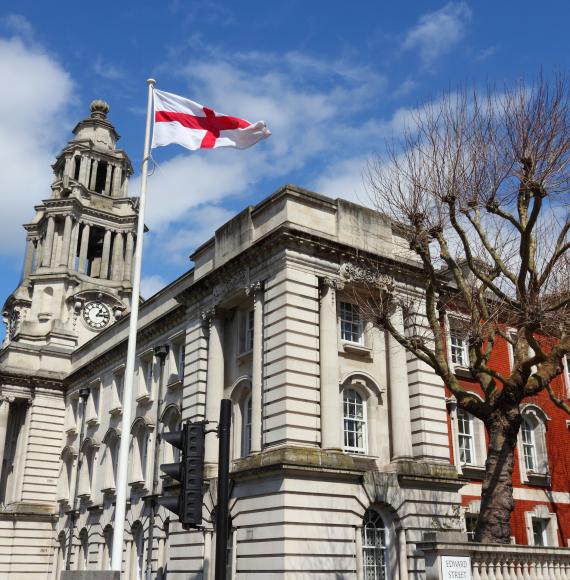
123	460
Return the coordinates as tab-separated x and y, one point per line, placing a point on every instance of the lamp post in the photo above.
161	352
83	396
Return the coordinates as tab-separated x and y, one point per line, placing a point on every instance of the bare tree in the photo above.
480	184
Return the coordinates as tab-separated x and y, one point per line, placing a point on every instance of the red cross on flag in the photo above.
184	122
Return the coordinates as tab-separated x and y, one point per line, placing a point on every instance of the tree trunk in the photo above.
497	503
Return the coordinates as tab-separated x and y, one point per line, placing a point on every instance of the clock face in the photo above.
96	314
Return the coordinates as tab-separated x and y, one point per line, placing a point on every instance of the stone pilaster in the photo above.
83	248
48	244
64	257
214	382
256	290
331	418
399	393
29	258
117	262
106	253
128	271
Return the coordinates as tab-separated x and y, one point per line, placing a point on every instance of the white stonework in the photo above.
263	318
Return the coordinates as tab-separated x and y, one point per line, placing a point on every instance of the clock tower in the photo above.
79	252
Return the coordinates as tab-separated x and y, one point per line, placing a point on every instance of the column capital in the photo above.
254	287
334	283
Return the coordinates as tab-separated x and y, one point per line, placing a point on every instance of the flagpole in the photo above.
123	460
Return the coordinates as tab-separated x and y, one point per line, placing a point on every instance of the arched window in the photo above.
373	546
533	459
137	552
107	547
246	428
139	452
465	437
65	481
171	422
354	412
83	550
528	445
112	441
241	418
87	473
60	552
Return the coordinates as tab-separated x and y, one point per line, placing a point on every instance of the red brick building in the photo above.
541	478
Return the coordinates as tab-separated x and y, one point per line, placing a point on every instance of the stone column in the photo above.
73	244
256	367
83	249
105	254
214	382
117	262
402	554
84	171
48	245
107	189
331	408
67	167
93	179
128	272
4	411
401	425
64	259
116	185
29	258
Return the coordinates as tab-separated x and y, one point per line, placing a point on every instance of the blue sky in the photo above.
331	79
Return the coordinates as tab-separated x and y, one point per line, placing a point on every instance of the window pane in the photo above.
350	323
354	422
373	546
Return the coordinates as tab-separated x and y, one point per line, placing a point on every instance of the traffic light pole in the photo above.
223	489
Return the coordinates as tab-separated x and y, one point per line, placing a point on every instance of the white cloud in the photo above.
37	92
108	70
312	107
438	32
150	285
344	179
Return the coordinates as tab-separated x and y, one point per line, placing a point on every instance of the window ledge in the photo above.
244	357
174	384
144	398
116	410
138	485
462	371
473	471
357	349
536	478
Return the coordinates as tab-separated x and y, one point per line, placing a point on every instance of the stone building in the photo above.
341	455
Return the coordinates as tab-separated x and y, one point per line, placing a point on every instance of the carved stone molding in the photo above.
254	287
239	279
333	283
351	272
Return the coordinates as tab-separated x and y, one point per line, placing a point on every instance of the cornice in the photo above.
30	381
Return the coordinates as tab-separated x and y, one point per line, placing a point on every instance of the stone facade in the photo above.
335	429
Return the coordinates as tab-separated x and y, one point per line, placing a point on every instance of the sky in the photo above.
332	80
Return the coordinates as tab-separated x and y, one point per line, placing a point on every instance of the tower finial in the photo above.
99	109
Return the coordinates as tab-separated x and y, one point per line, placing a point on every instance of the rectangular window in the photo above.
539	532
92	414
529	452
350	323
465	436
470	526
118	381
459	352
248	331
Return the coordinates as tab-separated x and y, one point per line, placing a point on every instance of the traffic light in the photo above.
187	505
